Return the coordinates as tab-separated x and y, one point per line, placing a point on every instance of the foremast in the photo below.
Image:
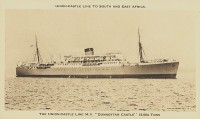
38	57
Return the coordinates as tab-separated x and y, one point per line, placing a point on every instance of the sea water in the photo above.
82	94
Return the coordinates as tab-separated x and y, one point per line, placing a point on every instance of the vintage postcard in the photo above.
99	59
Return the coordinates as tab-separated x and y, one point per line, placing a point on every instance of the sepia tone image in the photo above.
100	60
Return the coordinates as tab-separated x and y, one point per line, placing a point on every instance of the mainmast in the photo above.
140	48
37	54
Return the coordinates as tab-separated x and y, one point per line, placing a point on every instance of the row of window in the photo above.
78	69
88	63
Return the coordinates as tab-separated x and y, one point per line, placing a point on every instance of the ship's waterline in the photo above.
164	70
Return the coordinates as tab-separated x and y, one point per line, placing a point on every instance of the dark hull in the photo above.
162	70
143	76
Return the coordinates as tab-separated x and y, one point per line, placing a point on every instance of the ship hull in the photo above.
142	76
162	70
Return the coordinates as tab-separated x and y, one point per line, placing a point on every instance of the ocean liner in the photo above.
109	65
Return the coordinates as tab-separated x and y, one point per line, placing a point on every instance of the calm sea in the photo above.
101	94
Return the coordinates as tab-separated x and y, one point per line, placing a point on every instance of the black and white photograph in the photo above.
126	61
100	60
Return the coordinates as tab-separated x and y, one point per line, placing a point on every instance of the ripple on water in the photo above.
99	94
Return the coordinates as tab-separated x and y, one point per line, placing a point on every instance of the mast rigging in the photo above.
140	48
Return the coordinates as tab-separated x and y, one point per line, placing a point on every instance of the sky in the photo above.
164	34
